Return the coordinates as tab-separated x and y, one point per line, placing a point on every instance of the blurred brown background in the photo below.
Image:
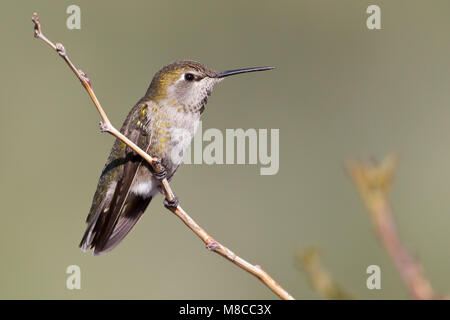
340	91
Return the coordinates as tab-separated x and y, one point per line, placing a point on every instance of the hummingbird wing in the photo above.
115	210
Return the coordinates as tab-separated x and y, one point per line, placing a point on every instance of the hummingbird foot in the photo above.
171	204
158	170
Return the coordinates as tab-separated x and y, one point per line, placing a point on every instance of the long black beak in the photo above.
227	73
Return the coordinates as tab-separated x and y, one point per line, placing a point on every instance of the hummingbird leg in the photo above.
171	204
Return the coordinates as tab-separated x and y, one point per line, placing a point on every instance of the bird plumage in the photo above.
163	124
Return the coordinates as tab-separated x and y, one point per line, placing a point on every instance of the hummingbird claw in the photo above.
171	204
158	170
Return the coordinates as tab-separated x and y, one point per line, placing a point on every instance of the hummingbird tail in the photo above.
100	237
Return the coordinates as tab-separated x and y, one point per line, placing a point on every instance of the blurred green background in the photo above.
340	91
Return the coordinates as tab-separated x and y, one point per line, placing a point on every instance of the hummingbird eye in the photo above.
189	77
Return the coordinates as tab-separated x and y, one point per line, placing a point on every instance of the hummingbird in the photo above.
162	123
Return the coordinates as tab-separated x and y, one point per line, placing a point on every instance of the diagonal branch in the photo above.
373	184
106	126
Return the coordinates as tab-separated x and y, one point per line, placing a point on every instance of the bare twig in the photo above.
373	184
106	126
319	277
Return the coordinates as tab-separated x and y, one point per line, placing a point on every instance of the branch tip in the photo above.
37	24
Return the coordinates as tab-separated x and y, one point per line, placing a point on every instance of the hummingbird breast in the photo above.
180	131
170	130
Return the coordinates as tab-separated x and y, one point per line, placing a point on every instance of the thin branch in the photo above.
373	184
106	126
319	277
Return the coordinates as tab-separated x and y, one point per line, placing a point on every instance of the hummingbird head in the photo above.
188	84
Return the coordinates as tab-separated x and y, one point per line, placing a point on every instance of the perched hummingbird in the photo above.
162	123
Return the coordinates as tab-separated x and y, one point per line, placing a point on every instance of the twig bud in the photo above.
60	49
